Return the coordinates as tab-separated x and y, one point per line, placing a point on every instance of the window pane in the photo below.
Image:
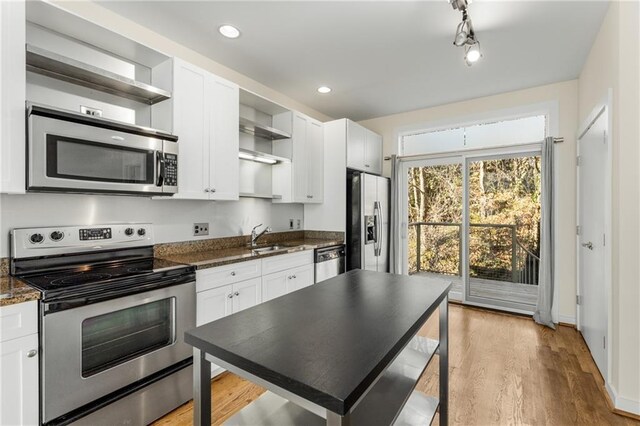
435	217
116	337
510	132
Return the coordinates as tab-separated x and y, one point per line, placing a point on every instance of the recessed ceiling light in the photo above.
324	89
229	31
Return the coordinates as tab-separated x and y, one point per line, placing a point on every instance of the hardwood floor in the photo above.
504	369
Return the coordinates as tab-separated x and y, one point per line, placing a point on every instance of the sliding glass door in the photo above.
434	227
503	232
474	221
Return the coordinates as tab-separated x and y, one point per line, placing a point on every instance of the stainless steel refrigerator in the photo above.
367	222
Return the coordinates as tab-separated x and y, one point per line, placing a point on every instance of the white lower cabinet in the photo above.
19	365
246	294
283	282
213	304
222	301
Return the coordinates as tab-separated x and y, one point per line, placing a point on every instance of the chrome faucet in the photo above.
255	235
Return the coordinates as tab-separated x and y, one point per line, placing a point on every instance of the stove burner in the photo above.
80	278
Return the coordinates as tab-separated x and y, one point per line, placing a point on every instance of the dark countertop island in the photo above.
329	348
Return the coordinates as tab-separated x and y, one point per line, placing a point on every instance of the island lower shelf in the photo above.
390	400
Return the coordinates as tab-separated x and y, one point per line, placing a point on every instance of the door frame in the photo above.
602	107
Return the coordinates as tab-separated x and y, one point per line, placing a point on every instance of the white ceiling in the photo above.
381	58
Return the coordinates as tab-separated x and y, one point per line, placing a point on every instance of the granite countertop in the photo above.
13	290
203	259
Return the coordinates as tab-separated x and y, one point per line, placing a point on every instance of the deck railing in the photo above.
496	253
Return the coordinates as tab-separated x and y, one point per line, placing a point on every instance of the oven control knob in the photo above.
36	238
56	235
141	232
128	232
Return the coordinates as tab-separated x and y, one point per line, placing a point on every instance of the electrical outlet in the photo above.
200	229
298	224
290	223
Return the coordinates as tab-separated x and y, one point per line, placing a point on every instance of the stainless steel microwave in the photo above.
73	152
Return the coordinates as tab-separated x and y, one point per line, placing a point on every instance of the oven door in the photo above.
93	350
76	157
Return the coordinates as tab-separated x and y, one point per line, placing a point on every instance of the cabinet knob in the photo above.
294	277
230	295
237	293
366	165
213	190
206	190
32	353
233	273
289	277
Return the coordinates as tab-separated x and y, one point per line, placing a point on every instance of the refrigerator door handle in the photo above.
380	229
378	215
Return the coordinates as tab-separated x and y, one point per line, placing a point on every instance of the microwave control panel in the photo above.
170	170
95	234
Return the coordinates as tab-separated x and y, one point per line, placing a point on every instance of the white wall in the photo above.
614	63
173	219
564	95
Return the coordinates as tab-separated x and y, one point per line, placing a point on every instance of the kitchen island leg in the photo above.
334	419
443	352
201	389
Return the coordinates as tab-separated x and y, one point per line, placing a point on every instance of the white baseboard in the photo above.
567	319
623	404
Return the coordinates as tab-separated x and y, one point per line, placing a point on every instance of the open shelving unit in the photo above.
254	128
390	400
261	157
50	64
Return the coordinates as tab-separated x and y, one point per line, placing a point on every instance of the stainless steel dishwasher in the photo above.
329	262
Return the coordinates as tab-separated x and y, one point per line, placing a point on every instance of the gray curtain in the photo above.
394	217
542	314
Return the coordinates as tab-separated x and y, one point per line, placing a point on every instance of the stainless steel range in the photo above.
112	320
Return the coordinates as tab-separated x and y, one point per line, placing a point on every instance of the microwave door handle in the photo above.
159	168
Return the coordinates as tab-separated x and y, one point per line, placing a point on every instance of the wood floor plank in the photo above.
503	369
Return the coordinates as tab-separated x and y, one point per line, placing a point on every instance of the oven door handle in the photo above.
160	168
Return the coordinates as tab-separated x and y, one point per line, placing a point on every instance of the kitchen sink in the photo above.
269	249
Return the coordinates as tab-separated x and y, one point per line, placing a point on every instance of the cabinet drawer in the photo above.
286	261
227	274
18	320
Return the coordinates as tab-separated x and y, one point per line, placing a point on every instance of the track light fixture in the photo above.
465	36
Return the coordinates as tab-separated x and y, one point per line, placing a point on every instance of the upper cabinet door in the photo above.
315	162
373	153
12	88
191	125
299	158
356	141
223	139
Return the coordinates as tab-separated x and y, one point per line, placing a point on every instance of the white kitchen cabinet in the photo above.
19	404
214	304
12	97
364	149
246	294
302	180
302	277
219	302
204	112
275	285
284	282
